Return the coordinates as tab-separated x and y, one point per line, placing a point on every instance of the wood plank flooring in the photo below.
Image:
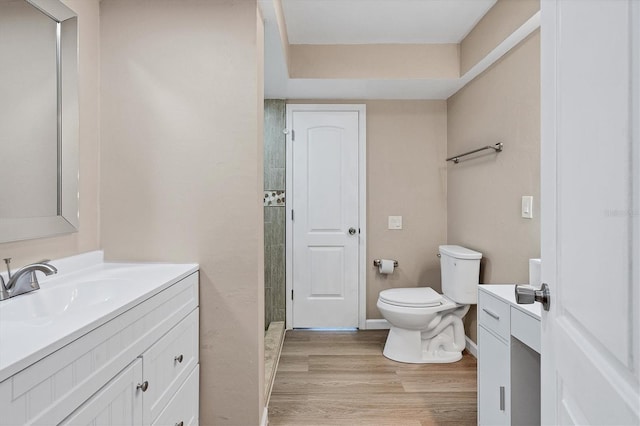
341	378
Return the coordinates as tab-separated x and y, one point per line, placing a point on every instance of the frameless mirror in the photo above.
38	119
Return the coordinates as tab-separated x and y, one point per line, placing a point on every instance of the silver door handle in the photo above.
352	231
526	295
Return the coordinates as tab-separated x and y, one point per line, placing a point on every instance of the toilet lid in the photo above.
419	297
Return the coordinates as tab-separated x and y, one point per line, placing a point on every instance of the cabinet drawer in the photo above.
493	314
526	329
182	409
168	363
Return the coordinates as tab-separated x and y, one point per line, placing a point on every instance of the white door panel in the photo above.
590	218
326	270
325	202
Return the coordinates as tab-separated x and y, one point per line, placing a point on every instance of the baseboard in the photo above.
471	347
265	417
377	324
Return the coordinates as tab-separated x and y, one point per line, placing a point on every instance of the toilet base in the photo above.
408	346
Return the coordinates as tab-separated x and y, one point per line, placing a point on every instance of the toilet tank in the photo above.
460	269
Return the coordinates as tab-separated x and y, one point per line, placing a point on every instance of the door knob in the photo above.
526	295
352	231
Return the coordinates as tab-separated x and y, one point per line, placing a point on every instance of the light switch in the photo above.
395	222
527	207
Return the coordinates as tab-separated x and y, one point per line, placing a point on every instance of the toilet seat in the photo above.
417	297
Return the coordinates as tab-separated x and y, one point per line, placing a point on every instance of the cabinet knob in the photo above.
178	358
143	386
180	424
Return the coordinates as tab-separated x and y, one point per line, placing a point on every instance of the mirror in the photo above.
38	119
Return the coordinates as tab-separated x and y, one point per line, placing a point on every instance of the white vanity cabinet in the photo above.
508	358
138	368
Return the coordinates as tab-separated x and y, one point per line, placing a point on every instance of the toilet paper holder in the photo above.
376	262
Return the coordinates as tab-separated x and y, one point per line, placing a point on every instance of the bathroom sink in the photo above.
85	294
48	304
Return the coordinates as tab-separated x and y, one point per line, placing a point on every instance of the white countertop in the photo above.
506	292
84	294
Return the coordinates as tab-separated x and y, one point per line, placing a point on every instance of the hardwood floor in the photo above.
341	378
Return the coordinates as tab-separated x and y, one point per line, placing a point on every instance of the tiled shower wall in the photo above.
274	211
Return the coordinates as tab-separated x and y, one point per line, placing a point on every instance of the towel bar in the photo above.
497	148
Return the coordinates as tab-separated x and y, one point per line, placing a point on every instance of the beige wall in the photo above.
406	147
406	176
484	194
182	172
394	61
87	238
499	23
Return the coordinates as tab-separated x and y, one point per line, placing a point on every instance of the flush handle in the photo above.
526	295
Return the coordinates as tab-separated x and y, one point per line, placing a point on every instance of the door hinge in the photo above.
291	214
293	135
291	294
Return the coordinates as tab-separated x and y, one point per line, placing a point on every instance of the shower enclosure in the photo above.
274	211
274	234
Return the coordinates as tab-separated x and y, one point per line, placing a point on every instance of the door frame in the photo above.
361	109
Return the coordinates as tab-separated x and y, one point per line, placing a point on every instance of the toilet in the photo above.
426	327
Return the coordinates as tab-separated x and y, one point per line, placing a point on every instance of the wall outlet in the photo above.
527	207
395	222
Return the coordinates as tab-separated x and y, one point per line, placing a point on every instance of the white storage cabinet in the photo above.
140	368
508	358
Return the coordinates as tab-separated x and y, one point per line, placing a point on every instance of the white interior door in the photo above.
590	213
325	217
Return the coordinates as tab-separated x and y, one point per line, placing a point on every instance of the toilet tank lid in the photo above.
460	252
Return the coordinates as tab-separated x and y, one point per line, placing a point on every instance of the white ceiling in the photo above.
382	21
278	85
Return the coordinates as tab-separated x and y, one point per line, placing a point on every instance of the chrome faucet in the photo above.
24	279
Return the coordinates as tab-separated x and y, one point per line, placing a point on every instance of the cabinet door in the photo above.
493	380
119	402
